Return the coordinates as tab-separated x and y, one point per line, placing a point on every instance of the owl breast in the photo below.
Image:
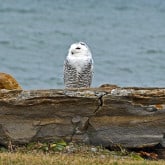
78	74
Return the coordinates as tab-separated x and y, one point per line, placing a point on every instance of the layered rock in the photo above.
130	117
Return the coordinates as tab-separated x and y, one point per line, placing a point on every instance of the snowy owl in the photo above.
78	66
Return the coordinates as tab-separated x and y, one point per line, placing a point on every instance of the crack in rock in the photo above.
100	100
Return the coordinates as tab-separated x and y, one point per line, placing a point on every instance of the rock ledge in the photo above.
109	115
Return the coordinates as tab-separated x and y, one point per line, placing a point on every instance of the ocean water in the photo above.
126	37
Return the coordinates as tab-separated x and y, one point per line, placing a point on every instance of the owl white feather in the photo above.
78	66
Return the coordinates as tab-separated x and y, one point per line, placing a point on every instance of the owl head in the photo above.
79	48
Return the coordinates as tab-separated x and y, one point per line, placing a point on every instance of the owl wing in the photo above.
85	78
70	73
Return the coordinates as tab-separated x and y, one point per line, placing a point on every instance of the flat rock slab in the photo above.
107	116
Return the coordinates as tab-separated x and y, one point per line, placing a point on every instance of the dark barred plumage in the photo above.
75	79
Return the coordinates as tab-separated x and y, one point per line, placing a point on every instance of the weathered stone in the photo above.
109	115
76	119
8	82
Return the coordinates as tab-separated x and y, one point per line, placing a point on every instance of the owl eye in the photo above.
82	43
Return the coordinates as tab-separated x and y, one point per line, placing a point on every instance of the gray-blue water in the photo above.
126	37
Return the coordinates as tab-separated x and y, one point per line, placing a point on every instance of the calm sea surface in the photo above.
126	37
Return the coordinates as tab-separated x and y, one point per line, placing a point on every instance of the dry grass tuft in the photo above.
62	154
71	159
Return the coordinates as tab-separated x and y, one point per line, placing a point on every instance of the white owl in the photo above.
78	66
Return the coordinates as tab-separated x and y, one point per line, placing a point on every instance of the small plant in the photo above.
47	147
58	146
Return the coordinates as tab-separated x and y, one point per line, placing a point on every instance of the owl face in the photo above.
79	48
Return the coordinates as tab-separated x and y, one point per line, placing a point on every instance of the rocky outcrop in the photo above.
130	117
8	82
